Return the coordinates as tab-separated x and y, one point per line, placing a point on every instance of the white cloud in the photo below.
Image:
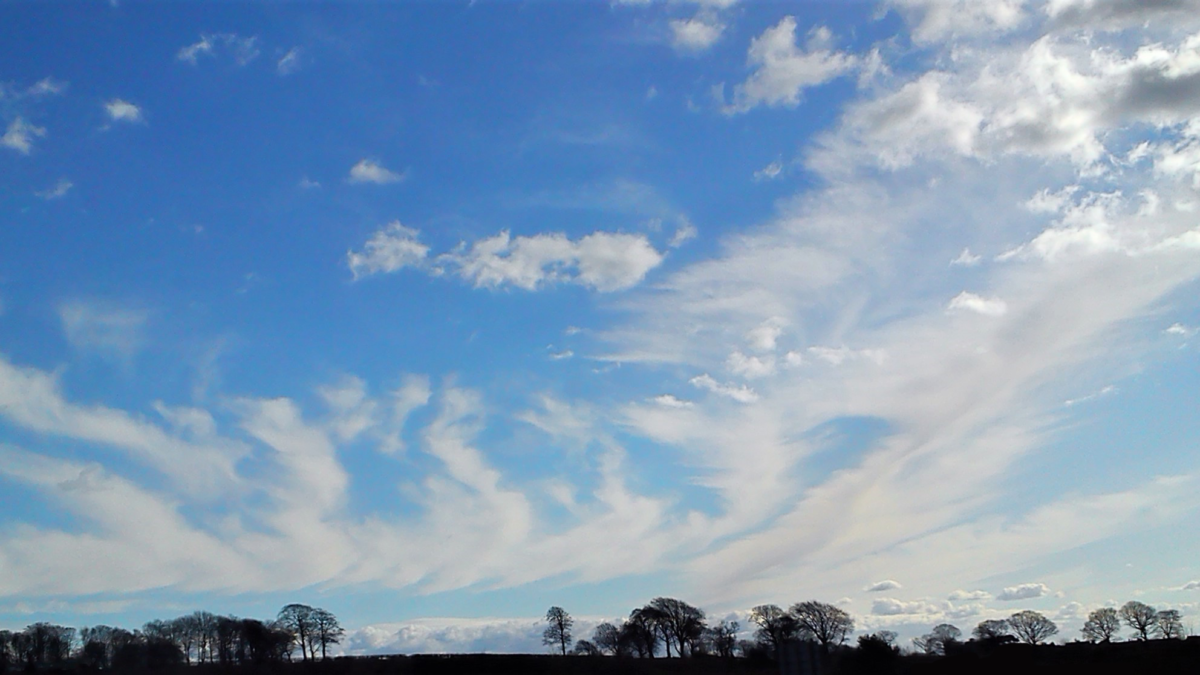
885	585
683	234
390	249
960	595
936	20
894	607
47	87
783	70
60	190
192	52
20	135
306	183
836	356
750	367
1191	586
104	328
973	303
370	171
966	259
559	356
242	49
1023	592
770	171
764	337
1180	329
695	34
741	394
603	261
670	401
123	111
289	62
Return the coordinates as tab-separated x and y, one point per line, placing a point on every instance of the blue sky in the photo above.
437	314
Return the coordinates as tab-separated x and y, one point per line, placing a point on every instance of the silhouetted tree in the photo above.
1168	624
1032	627
823	622
679	622
1102	625
325	630
640	632
877	650
607	638
722	638
7	658
585	648
936	640
558	630
204	629
775	626
1140	617
297	619
992	629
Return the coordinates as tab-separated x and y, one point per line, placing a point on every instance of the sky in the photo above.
437	314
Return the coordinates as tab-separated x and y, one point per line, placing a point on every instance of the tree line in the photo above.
675	628
199	637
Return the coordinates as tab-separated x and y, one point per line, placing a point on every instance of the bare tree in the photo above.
641	632
722	638
936	640
1102	625
775	626
558	632
679	622
1168	624
1139	616
992	629
607	638
297	619
325	630
1032	627
823	622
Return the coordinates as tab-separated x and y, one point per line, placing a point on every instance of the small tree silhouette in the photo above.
558	632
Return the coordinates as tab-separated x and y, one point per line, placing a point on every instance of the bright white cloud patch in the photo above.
940	19
695	34
885	585
391	249
370	171
20	135
782	70
969	302
977	596
894	607
1023	592
741	394
603	261
119	110
671	401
